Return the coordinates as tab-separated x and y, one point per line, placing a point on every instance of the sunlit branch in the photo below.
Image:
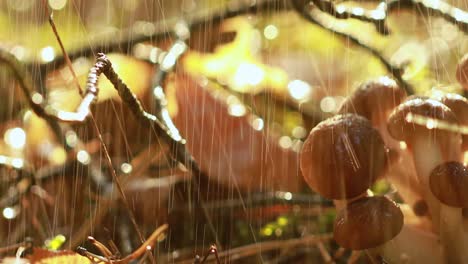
438	8
307	14
176	143
376	16
167	65
104	66
37	102
160	31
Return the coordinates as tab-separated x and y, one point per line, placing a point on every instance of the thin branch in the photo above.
304	12
376	16
178	151
104	66
437	8
212	251
166	66
252	249
38	103
145	247
62	47
379	15
161	30
82	111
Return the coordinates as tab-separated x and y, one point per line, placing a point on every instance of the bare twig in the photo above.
82	112
252	249
212	251
62	47
176	143
145	247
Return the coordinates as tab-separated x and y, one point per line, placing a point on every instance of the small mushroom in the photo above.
342	157
462	72
429	145
449	182
368	223
375	100
375	224
459	106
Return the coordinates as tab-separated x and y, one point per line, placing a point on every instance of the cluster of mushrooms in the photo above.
413	142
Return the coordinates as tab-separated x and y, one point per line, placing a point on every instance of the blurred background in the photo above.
245	96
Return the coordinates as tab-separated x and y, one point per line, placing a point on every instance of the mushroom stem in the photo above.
451	231
447	220
403	176
427	156
400	173
412	245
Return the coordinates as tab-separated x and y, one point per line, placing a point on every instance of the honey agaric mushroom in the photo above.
449	182
459	106
376	224
375	100
368	223
462	72
342	157
429	145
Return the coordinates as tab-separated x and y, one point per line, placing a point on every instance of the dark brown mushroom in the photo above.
429	145
374	100
449	182
459	106
342	157
368	223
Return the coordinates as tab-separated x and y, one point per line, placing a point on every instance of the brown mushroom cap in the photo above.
400	129
462	72
367	223
449	183
459	106
374	99
342	157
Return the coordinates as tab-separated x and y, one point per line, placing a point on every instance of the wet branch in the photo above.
38	103
178	151
161	29
376	16
397	72
379	15
436	8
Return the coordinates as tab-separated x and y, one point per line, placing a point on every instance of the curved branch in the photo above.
37	102
160	31
394	70
438	8
376	16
